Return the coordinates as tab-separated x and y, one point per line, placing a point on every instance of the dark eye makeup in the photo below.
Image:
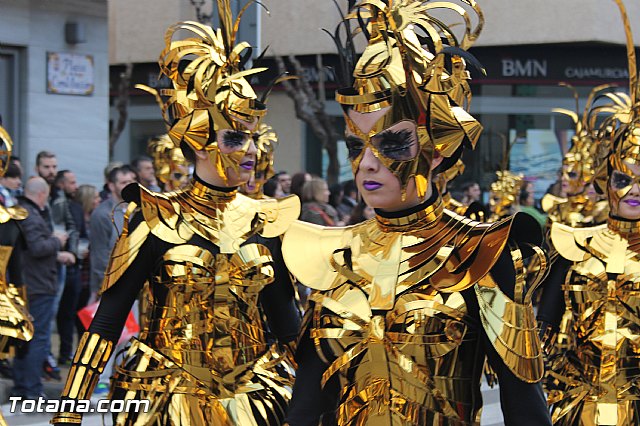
397	145
233	139
355	146
620	180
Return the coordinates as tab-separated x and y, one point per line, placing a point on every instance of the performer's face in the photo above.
239	151
572	182
624	192
380	188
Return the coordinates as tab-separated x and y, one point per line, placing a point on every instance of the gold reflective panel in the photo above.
390	319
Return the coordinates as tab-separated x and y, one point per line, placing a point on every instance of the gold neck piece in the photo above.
623	227
426	218
203	194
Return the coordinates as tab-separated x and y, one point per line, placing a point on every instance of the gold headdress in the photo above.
210	91
6	147
579	161
414	64
505	193
170	166
619	133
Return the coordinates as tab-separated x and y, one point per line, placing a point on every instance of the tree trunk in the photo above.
122	105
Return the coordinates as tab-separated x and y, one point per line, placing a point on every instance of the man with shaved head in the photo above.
42	251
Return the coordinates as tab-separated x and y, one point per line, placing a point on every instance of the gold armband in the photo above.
91	357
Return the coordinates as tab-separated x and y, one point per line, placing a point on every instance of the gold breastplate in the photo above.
389	317
204	313
602	290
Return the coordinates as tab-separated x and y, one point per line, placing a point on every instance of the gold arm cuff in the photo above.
72	418
511	328
91	356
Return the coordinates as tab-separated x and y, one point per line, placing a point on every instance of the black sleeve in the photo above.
310	404
278	298
116	302
552	305
522	403
10	236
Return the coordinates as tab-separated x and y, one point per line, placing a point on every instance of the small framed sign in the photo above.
70	74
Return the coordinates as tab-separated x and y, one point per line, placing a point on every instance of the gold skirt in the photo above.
178	398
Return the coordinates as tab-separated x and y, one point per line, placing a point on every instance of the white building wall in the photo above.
74	127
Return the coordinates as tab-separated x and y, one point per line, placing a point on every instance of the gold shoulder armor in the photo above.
126	249
279	214
162	216
549	201
571	242
308	249
12	213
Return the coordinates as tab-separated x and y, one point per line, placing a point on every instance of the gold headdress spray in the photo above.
210	90
619	133
579	161
415	65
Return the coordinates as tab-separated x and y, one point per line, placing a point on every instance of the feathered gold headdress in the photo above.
210	91
415	64
579	162
619	133
266	141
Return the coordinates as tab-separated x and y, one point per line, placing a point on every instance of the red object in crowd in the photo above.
131	327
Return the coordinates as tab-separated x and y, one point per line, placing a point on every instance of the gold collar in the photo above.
624	227
425	218
205	194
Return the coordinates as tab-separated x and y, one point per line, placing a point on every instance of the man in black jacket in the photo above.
40	255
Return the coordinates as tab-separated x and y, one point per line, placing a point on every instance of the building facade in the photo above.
54	82
527	49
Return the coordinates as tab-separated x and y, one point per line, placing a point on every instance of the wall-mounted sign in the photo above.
69	74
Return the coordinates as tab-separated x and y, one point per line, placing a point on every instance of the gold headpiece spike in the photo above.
159	101
631	54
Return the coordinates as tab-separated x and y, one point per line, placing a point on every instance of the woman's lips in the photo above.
371	185
247	165
633	203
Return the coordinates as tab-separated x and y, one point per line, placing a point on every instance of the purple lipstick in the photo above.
371	185
633	203
247	165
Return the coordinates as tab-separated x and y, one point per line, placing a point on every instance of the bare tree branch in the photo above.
310	109
122	104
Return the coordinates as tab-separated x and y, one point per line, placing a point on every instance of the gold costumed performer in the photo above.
407	305
15	321
170	166
596	381
266	141
212	258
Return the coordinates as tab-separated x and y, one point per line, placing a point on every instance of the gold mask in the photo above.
397	71
170	166
211	95
6	147
266	141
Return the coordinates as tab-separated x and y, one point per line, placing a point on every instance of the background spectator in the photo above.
360	213
284	179
42	252
315	204
297	182
10	185
349	199
143	166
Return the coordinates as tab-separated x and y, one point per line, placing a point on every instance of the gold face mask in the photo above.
212	106
504	192
6	146
266	140
398	72
169	164
621	181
